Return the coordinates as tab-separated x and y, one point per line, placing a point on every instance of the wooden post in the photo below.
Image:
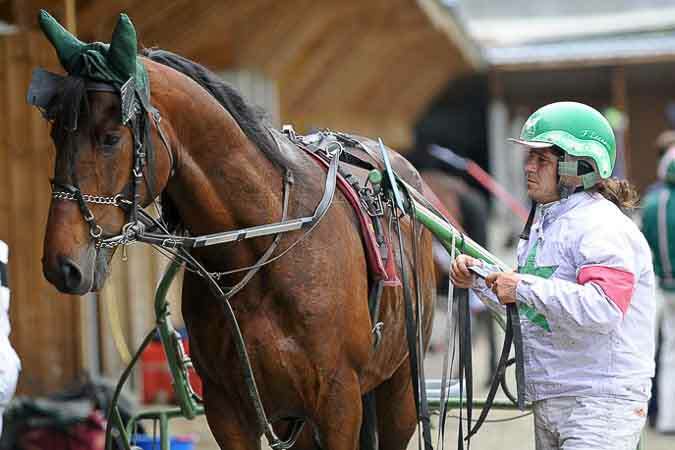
619	93
70	7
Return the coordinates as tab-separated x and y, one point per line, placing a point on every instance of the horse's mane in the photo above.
249	118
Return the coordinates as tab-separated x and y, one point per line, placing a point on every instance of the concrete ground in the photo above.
517	434
514	434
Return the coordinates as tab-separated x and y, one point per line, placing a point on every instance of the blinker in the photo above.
44	86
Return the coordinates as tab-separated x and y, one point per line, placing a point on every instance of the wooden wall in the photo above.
368	67
45	324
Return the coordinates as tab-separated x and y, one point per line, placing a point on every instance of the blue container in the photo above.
175	442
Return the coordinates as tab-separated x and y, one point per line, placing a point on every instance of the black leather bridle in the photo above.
129	198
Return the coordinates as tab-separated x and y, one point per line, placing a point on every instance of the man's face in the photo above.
541	172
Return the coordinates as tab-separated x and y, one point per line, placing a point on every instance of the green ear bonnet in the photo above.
116	63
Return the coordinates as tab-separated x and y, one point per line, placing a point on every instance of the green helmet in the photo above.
577	129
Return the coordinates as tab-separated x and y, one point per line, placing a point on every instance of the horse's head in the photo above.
101	130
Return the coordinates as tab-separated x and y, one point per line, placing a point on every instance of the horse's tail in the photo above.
368	439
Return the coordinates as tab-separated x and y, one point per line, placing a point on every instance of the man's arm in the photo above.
604	286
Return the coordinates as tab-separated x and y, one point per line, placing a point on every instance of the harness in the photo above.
141	227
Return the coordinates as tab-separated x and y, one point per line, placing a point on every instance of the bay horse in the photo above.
304	316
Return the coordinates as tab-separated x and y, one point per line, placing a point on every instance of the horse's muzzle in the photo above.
68	277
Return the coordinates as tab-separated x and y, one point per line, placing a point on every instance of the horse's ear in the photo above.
123	48
66	45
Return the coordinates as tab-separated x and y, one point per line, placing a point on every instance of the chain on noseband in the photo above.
95	230
96	199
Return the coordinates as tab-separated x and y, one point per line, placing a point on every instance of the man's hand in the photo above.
460	274
503	284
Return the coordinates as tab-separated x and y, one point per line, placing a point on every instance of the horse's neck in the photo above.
223	181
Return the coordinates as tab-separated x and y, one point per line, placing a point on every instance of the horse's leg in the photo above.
396	415
339	418
227	424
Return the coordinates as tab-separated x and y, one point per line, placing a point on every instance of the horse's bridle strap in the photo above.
258	230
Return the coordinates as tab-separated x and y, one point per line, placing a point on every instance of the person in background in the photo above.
9	361
658	226
663	142
584	287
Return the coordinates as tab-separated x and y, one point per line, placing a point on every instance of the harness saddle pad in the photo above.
379	269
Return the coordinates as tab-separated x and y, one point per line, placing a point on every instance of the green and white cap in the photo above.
577	129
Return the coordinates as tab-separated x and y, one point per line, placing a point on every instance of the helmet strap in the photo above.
525	234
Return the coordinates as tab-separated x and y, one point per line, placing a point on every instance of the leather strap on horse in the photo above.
172	241
247	372
449	339
411	322
426	425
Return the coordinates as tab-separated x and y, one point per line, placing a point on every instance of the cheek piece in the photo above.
575	175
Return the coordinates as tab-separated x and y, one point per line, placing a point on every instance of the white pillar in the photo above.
497	135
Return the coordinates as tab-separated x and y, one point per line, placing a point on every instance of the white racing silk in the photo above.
586	301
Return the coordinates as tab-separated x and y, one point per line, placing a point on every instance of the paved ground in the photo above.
515	434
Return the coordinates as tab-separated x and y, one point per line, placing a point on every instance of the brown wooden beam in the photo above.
70	16
619	92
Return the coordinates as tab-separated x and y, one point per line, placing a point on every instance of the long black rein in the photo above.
512	338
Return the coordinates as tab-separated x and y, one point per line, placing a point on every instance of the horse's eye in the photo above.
110	140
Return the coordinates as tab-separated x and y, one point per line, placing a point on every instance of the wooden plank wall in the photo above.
45	324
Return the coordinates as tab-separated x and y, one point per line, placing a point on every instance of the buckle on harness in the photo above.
377	334
372	203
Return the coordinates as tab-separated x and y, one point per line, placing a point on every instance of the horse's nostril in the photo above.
71	273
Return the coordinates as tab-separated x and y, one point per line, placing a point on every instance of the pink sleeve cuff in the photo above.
617	284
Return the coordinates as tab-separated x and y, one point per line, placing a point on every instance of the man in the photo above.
658	225
584	287
9	361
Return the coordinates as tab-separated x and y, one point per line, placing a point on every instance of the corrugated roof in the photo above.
630	48
497	32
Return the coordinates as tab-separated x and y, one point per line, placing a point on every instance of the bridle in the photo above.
129	198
